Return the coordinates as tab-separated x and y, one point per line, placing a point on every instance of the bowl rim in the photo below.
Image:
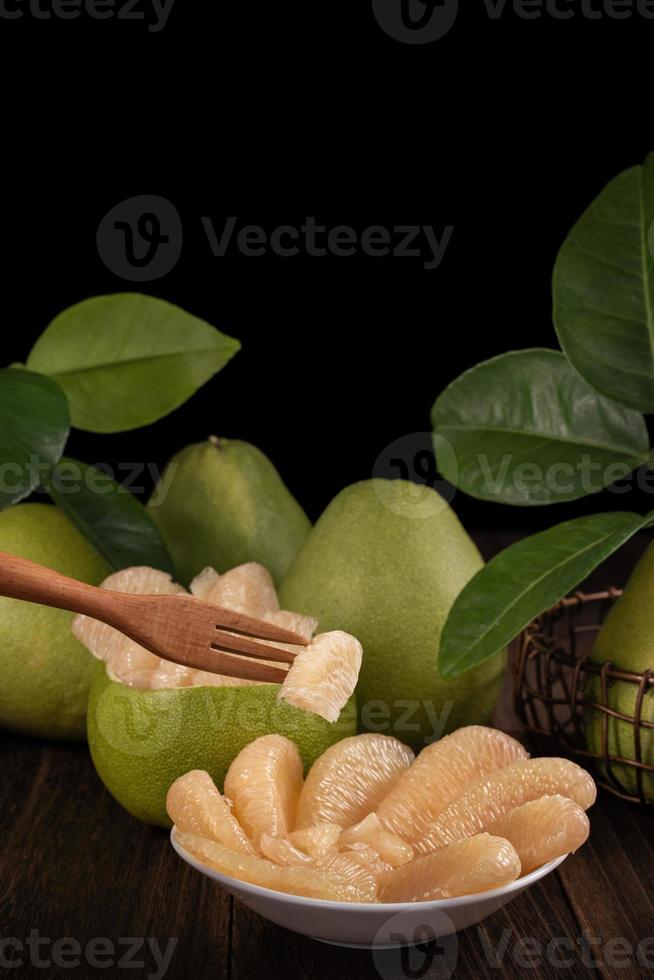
287	898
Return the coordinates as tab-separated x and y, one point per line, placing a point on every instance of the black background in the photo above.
271	112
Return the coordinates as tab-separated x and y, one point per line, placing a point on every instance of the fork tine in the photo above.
241	644
234	666
248	626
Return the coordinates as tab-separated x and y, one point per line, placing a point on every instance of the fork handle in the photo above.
23	579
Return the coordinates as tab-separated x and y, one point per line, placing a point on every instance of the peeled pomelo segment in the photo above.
345	868
350	779
308	881
304	626
473	865
543	829
367	857
440	774
203	678
323	675
246	588
264	782
388	845
126	661
319	841
491	797
195	806
281	851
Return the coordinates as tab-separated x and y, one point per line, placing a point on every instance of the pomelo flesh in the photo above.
542	829
390	848
333	883
350	780
264	783
323	675
474	865
281	851
440	774
195	806
491	797
318	841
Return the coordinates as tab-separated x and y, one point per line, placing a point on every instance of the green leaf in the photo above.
525	428
110	517
127	360
34	427
525	580
604	290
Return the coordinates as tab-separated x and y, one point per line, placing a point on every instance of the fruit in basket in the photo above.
474	865
490	797
264	782
627	640
45	673
151	721
335	883
542	829
441	773
350	780
222	503
385	562
196	807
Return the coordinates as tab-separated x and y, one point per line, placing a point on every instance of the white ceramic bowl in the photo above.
383	926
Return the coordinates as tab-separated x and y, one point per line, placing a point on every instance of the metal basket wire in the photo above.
552	674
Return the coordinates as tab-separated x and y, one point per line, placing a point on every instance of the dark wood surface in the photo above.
74	865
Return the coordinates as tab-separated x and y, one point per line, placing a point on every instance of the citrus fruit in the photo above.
490	797
390	848
317	841
385	562
263	783
126	661
473	865
440	774
350	780
333	884
281	851
323	675
222	503
195	805
45	673
141	741
627	640
346	869
542	829
246	588
367	857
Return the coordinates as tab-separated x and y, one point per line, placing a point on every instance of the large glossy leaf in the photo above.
34	427
525	428
523	581
127	360
110	517
604	290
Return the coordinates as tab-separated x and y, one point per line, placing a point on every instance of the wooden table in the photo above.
74	866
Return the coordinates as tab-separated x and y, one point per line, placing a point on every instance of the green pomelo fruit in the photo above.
141	741
385	562
627	640
223	503
45	673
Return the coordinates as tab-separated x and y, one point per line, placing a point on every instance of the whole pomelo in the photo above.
45	673
142	740
222	503
627	640
385	562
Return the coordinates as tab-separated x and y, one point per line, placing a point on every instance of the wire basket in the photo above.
558	691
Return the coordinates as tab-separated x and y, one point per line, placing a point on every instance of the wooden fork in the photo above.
180	628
